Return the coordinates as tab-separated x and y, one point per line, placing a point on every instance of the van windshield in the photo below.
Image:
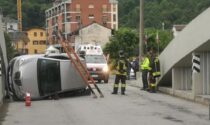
95	59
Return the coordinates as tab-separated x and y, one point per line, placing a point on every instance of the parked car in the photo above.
42	76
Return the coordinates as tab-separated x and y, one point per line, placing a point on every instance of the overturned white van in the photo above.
42	76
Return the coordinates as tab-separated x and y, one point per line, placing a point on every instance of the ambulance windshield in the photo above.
95	59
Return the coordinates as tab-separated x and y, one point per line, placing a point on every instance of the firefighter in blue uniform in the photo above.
121	72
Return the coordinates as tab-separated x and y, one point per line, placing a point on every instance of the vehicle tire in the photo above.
99	81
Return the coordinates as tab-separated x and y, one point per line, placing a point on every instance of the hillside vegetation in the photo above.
156	12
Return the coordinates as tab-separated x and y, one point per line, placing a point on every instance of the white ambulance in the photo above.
95	61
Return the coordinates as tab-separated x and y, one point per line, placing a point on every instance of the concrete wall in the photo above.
4	62
181	79
195	34
1	90
176	60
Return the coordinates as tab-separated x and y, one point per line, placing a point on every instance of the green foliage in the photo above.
10	50
164	38
155	12
124	39
33	11
158	11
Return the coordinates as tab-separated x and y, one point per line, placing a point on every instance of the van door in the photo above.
48	74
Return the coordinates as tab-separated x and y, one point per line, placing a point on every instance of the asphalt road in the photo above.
135	108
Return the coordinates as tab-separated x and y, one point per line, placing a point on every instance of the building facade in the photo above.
37	41
70	15
93	34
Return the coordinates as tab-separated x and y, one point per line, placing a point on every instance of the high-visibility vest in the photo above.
121	67
145	64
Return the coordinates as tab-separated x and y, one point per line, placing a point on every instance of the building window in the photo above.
104	24
91	16
68	18
26	51
35	42
35	34
35	51
104	18
114	26
104	8
90	6
114	17
41	33
53	21
78	18
63	28
42	42
114	8
77	7
11	27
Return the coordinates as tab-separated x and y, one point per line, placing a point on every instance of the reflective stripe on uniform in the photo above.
118	73
156	73
152	85
116	85
123	85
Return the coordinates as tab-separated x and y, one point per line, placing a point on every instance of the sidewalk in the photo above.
185	95
163	96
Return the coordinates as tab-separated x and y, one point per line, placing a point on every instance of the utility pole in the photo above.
19	15
141	30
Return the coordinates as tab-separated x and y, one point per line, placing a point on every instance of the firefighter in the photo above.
121	72
155	72
145	67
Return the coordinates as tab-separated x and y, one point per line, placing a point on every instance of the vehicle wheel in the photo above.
99	81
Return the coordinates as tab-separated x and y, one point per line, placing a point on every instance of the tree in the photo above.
124	39
10	50
164	37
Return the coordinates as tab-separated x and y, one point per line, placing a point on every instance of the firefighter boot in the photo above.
153	88
123	90
115	90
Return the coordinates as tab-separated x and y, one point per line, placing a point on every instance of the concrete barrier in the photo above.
4	62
